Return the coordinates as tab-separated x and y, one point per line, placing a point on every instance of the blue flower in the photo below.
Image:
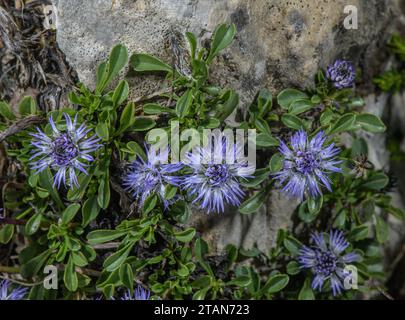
14	294
307	164
214	181
64	151
139	294
152	176
342	74
326	260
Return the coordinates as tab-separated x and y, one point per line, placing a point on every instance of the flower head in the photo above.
151	176
14	294
139	294
342	74
64	151
326	260
307	165
214	181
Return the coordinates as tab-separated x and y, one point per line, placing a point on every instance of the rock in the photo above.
246	231
278	44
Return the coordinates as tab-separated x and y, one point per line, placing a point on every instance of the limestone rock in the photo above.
279	43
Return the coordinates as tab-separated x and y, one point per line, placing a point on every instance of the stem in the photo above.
7	269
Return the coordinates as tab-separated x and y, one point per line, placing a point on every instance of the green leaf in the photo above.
200	70
201	282
266	140
127	276
344	123
186	235
326	117
200	294
90	210
33	266
183	270
376	181
254	203
211	123
116	259
293	268
259	176
46	181
308	210
117	61
370	123
300	106
136	149
359	233
143	124
222	38
184	103
292	121
145	63
192	41
150	203
78	193
102	74
127	118
286	97
396	212
103	197
292	245
382	230
155	108
276	162
6	112
264	101
231	102
201	249
70	212
70	276
79	259
306	292
276	283
6	233
33	224
120	93
102	131
241	281
102	236
27	106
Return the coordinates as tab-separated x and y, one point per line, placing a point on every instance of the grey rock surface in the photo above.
279	43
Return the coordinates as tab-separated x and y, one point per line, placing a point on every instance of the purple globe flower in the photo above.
13	294
342	74
214	181
139	294
327	260
64	151
307	165
152	176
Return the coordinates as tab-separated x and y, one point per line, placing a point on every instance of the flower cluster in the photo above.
64	151
342	74
18	293
326	260
151	176
214	182
307	164
139	294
